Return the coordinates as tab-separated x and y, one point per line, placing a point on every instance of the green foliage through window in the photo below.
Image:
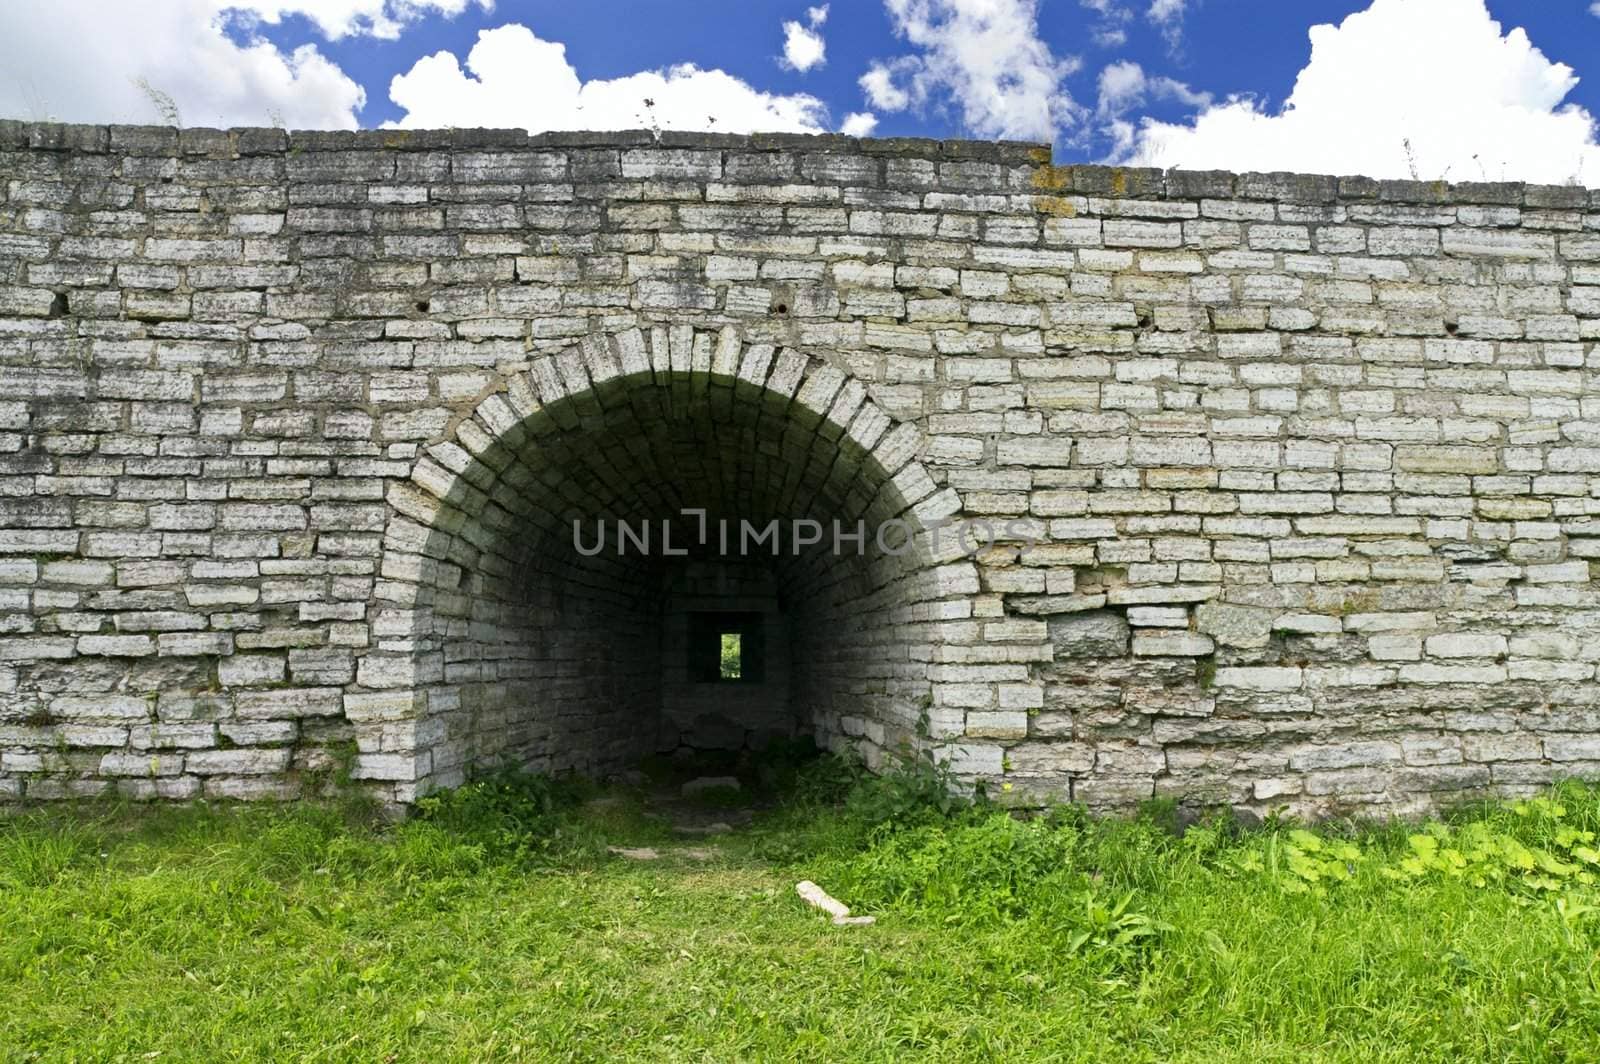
731	659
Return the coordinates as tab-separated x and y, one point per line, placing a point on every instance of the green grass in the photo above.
495	926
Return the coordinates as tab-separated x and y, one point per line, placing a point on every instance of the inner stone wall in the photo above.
1308	469
699	715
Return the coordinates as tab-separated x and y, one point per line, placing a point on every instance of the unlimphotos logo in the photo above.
776	537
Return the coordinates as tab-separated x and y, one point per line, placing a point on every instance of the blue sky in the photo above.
1394	87
1228	46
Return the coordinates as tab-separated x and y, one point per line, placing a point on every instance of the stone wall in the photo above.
293	428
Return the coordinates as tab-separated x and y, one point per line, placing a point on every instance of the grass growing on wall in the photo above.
496	926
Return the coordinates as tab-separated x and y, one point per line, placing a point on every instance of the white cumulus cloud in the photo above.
514	79
345	18
1167	15
84	60
1425	88
803	46
859	124
1124	85
1165	11
984	57
878	83
1108	31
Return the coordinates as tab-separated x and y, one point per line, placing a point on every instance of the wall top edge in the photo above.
1084	179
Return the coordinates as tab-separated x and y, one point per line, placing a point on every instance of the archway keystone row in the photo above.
447	691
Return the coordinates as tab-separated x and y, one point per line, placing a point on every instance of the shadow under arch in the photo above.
503	639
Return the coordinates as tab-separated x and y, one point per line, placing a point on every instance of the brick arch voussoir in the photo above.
810	390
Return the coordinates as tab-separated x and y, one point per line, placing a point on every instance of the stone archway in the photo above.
504	641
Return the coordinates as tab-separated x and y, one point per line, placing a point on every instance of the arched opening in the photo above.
655	543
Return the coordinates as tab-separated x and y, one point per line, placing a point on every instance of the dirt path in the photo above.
695	817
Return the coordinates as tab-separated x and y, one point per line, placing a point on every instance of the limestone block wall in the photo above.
293	426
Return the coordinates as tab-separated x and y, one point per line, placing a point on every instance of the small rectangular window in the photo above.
730	656
726	647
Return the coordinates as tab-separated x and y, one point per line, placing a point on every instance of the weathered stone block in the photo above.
265	762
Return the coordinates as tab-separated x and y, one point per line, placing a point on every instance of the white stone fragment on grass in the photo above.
818	898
